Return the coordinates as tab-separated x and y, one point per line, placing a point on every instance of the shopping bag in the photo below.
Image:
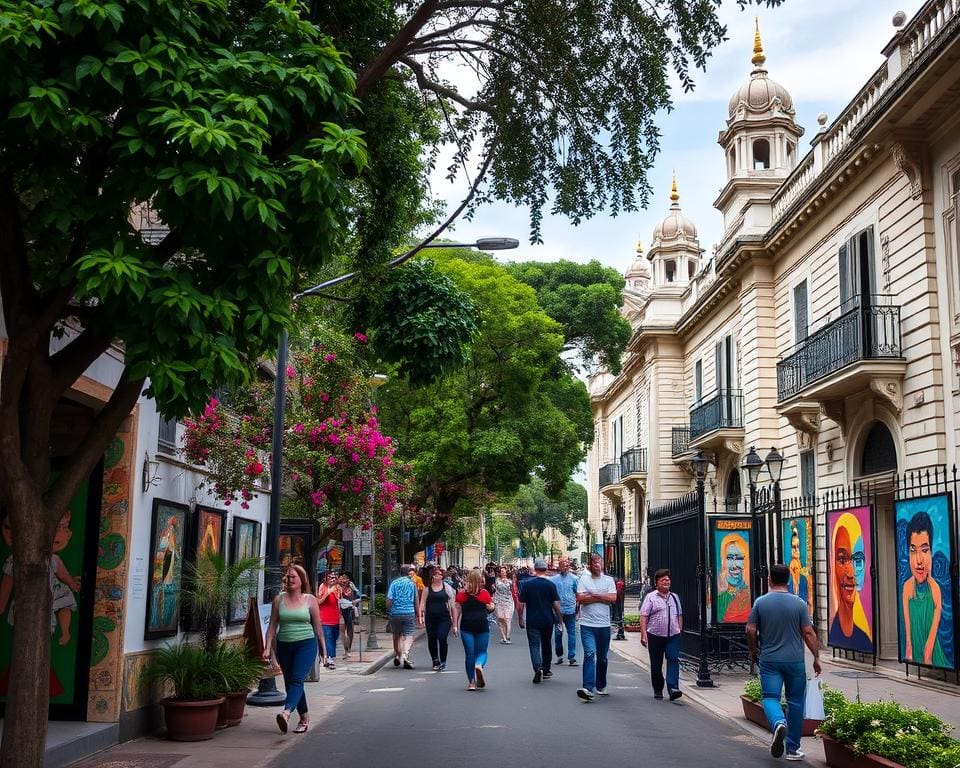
813	703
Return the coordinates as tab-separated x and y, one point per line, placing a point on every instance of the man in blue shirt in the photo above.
566	584
402	606
541	611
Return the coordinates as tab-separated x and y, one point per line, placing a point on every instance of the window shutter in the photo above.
698	381
718	364
808	474
846	282
800	311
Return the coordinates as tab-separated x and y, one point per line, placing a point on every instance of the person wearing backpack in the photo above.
661	627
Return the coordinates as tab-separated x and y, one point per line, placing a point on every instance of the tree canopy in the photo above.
585	299
532	510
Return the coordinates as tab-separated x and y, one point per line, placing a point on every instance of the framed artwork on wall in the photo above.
730	552
850	587
926	613
210	531
167	533
244	543
797	537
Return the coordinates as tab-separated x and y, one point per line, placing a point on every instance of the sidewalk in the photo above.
257	740
870	683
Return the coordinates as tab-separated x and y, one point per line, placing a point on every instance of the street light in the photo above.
699	464
753	465
620	512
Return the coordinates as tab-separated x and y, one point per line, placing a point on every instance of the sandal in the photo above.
282	722
301	727
472	687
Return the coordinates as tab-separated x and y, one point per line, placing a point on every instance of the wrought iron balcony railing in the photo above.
722	411
633	461
681	440
861	332
610	474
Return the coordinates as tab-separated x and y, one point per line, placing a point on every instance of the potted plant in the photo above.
631	622
753	708
191	712
888	735
210	588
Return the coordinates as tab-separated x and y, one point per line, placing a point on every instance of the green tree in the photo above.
585	299
533	510
512	411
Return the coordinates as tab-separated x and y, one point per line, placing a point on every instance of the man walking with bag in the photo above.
783	624
661	627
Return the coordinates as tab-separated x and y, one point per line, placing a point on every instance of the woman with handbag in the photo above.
473	603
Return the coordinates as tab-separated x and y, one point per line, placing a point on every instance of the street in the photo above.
397	717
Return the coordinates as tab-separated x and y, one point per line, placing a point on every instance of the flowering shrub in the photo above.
338	465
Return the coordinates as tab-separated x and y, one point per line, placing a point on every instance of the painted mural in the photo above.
245	543
166	569
731	562
797	537
850	585
926	611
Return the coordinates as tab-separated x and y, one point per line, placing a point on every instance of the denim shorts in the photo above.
403	625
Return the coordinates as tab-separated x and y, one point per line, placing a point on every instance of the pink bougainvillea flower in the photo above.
361	337
329	358
331	460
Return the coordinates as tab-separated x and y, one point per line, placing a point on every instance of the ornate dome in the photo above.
639	268
675	225
759	94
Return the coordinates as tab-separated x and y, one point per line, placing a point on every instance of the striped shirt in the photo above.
656	608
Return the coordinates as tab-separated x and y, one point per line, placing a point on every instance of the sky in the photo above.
821	51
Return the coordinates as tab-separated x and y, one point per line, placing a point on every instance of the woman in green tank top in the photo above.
295	623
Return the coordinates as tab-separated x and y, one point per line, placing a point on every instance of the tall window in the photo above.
616	447
857	271
761	155
698	381
670	268
167	437
800	311
724	363
791	154
808	474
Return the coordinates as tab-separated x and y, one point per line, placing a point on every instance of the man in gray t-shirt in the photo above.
783	624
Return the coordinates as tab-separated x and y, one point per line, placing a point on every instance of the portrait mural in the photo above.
245	543
797	537
210	530
731	563
925	609
166	568
850	584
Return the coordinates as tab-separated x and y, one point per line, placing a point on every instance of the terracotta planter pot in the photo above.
753	711
231	710
631	627
191	720
840	755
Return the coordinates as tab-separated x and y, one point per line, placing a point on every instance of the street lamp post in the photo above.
699	463
621	571
753	465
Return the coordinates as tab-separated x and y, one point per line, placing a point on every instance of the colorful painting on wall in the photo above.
850	585
797	538
925	596
245	543
210	530
166	569
731	562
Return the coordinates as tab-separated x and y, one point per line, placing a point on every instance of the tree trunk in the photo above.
25	725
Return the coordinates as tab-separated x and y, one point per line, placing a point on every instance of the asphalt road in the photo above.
412	718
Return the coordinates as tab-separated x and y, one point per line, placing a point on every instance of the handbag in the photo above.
813	701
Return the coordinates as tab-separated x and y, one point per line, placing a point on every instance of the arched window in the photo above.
879	452
670	267
791	154
732	162
761	154
734	492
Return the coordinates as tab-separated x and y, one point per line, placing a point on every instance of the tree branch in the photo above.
392	51
441	90
67	364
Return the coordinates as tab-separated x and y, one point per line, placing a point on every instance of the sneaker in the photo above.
560	660
675	694
442	667
572	663
585	694
396	661
331	665
779	736
602	692
658	694
436	666
537	676
798	755
503	641
547	675
509	641
406	663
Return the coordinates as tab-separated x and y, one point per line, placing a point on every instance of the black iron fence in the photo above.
633	462
681	440
722	411
609	474
861	332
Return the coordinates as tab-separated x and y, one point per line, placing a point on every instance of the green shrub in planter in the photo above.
238	669
189	670
631	619
833	700
912	737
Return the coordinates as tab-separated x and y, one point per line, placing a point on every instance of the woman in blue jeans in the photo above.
295	623
473	604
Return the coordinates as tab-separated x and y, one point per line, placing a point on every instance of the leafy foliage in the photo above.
532	511
211	586
189	670
585	299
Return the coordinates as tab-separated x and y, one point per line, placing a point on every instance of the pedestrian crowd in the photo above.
549	607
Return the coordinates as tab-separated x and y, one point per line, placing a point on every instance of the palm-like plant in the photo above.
212	586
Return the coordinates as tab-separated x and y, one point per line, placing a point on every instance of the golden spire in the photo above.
758	57
674	195
639	247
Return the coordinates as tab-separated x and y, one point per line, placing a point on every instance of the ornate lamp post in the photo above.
699	463
753	465
621	571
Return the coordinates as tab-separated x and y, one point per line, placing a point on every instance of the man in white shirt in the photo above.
596	592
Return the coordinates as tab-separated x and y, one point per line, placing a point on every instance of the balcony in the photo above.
680	441
857	352
610	484
633	466
717	424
